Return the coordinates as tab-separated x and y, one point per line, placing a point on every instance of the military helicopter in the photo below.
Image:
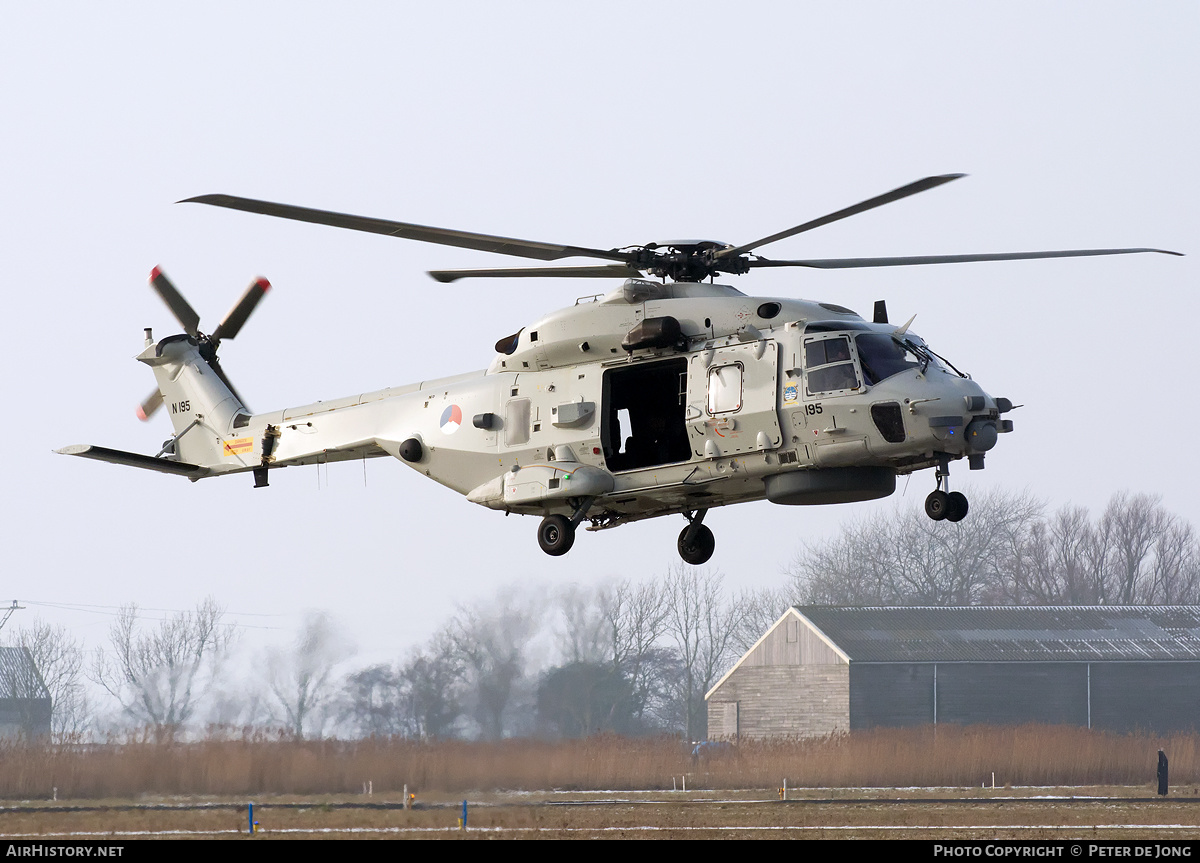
656	398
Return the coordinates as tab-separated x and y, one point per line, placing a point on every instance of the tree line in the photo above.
626	657
1010	550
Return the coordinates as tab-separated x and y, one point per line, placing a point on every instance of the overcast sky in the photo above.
597	125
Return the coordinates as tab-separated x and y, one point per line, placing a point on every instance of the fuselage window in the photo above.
516	422
725	389
829	366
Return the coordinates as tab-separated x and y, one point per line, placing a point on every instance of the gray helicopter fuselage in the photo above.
655	398
754	398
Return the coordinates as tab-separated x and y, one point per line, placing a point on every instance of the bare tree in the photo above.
902	557
1051	565
759	610
158	677
583	634
372	703
1176	569
702	626
58	658
301	681
491	640
1007	552
432	689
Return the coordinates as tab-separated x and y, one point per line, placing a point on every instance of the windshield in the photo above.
882	356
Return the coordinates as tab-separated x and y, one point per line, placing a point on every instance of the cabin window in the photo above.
725	389
516	422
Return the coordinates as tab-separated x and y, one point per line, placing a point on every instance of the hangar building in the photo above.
822	669
24	699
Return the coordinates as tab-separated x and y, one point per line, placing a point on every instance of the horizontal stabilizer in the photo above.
133	459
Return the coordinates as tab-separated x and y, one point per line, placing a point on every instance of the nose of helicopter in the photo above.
962	419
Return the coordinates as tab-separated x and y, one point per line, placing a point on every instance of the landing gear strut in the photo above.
951	506
556	533
696	542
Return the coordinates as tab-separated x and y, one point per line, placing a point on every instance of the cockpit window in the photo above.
882	356
829	366
827	351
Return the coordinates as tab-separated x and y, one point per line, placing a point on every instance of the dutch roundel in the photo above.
451	419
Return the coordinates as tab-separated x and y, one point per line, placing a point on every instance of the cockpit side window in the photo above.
829	365
835	350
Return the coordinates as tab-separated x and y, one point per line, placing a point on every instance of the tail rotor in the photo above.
229	327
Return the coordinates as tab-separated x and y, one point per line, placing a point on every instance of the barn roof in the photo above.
19	677
1010	633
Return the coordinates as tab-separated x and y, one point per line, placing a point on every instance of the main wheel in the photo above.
937	505
957	510
701	548
556	534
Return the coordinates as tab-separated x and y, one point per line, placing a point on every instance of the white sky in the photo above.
602	126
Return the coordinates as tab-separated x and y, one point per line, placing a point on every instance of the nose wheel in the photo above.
556	535
696	542
951	506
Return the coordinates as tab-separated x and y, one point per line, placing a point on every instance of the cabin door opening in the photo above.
643	421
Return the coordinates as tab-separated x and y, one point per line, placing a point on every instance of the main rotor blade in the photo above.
179	307
149	405
922	185
237	316
850	263
612	271
423	233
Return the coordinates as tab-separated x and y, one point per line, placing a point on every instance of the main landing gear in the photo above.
696	542
556	533
951	506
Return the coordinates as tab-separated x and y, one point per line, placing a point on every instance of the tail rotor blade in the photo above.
237	316
179	307
147	408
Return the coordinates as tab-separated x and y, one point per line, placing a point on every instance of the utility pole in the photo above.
8	613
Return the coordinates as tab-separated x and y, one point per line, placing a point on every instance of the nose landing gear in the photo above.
556	533
951	506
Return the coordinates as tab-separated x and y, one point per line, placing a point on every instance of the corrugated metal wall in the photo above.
1148	696
1124	696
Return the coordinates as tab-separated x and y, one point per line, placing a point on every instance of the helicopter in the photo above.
668	395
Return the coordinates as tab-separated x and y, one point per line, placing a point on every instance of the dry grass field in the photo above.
1094	814
1050	782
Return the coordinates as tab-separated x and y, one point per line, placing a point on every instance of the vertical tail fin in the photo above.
199	401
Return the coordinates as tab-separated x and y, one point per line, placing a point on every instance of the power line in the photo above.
101	609
84	605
